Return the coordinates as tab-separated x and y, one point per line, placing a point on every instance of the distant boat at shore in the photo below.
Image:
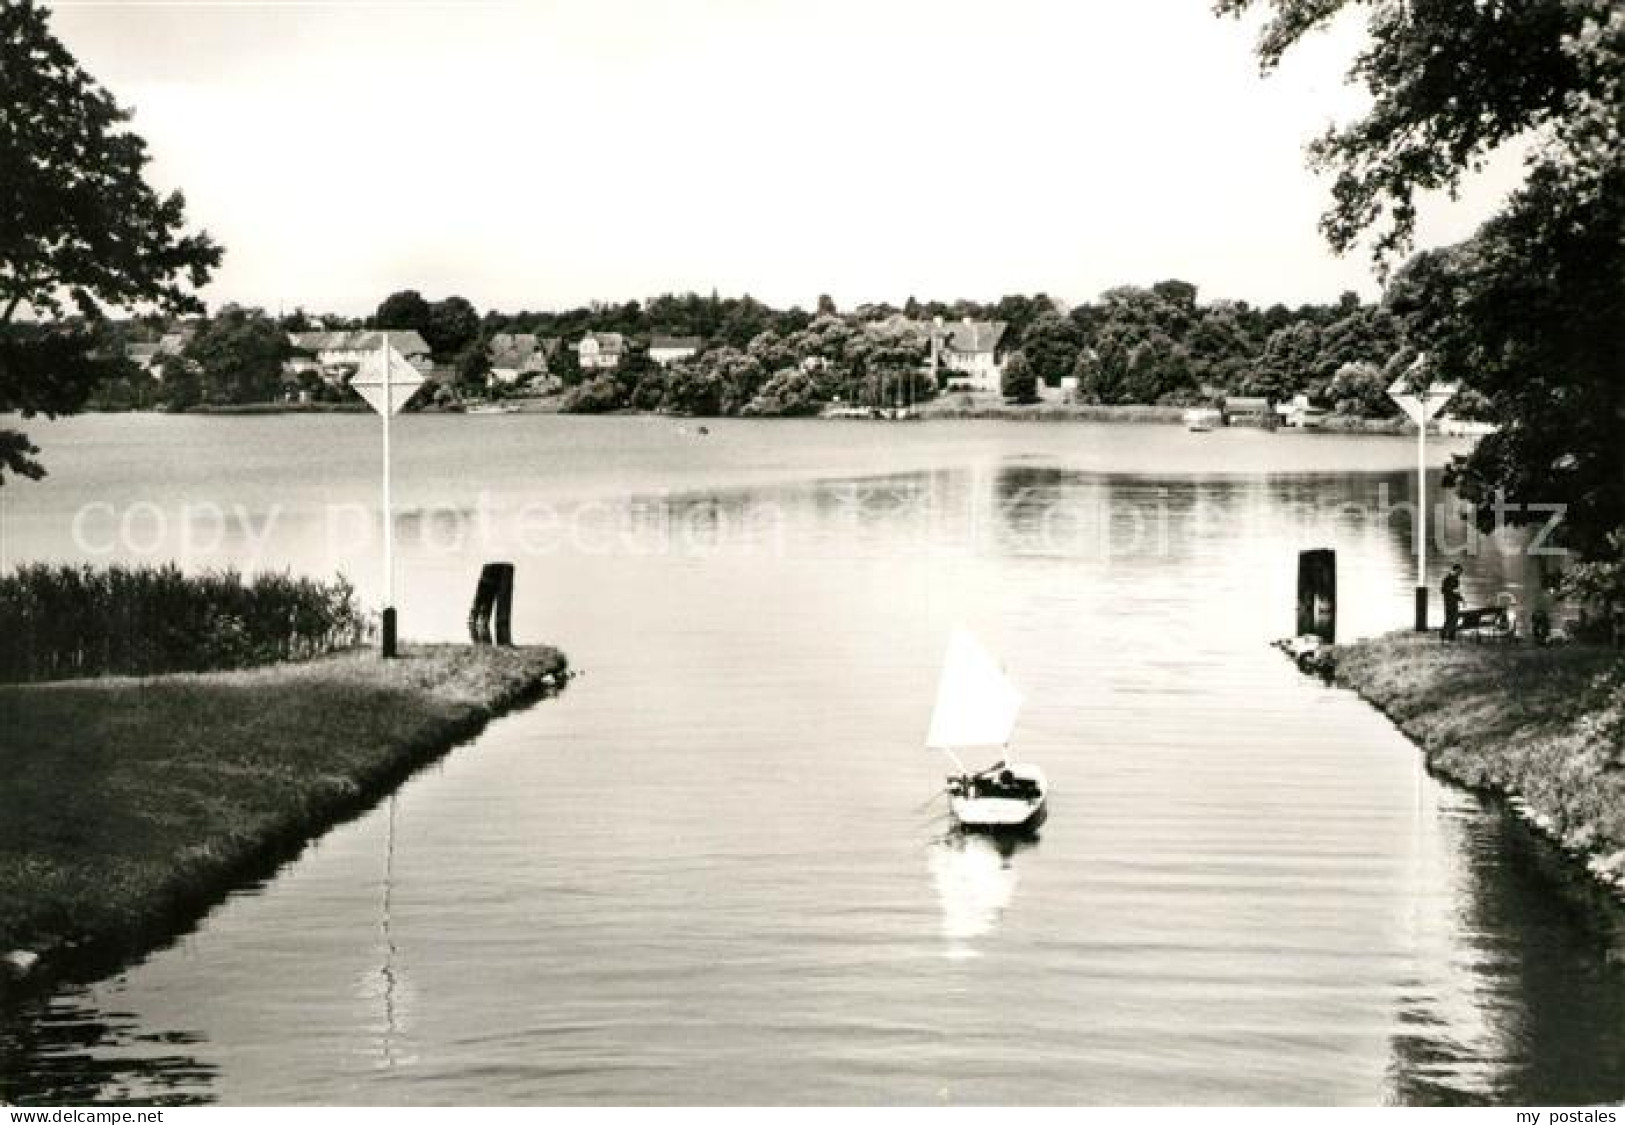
493	408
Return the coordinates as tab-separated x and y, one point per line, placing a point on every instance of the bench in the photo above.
1492	623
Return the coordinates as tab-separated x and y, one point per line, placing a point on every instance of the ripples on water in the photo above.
712	870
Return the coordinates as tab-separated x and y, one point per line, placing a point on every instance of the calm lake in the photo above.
713	870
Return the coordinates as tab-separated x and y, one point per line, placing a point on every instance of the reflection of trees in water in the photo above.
68	1051
1045	510
1546	951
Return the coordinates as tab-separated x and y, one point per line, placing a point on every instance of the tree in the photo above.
473	366
1020	381
1361	388
79	225
1221	347
239	356
1363	335
1287	363
1450	81
180	387
1528	312
451	325
404	310
598	395
1051	344
788	392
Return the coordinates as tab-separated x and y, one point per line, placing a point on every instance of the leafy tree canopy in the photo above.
1529	312
1019	382
80	229
404	310
452	324
1450	81
239	355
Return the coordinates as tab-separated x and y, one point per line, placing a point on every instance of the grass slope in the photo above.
130	804
1541	724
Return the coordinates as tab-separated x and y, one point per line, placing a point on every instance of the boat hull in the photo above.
1001	812
998	814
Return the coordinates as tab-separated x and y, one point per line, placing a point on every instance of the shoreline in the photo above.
134	806
1529	726
939	410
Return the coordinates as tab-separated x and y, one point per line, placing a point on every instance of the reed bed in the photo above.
68	622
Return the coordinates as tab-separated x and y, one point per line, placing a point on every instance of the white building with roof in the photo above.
519	355
972	348
600	351
331	350
667	350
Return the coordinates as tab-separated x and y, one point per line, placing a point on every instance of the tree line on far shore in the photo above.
1156	344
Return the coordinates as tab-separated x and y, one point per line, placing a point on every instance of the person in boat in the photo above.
998	781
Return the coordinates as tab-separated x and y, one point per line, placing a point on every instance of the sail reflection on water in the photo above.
975	876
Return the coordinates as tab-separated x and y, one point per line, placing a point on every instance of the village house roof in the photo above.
150	351
1246	404
407	341
673	343
522	344
520	351
610	342
974	336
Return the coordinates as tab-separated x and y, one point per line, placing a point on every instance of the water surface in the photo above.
713	870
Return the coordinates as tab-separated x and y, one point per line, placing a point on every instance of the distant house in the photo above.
1248	411
149	355
667	350
519	355
601	351
973	348
329	352
1300	413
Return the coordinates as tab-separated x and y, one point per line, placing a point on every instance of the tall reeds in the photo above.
62	622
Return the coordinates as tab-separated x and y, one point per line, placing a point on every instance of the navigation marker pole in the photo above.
387	381
1421	399
388	640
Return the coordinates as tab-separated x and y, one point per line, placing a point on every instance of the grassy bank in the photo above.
130	805
1543	726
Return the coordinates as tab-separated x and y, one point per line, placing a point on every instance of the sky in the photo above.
543	155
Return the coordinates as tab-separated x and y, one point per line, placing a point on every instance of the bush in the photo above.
63	622
1020	382
599	395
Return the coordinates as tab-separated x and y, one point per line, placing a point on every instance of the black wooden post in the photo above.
494	593
1317	594
479	617
504	634
388	638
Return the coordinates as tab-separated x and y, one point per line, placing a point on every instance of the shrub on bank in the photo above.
63	622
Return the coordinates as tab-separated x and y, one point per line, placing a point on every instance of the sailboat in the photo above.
976	710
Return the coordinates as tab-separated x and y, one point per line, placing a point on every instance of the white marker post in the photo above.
387	381
1421	400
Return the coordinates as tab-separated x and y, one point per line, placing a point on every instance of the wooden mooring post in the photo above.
493	596
1317	594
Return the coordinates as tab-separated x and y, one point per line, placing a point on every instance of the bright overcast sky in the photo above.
541	155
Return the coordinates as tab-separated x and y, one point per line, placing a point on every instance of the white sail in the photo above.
976	702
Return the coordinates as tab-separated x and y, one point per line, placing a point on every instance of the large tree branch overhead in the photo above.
1451	81
81	231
